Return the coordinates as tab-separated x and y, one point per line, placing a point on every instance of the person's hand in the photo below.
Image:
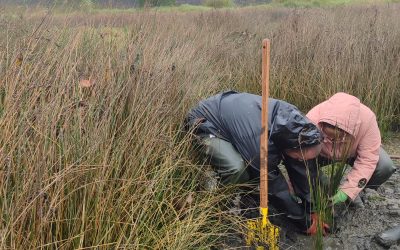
339	197
313	229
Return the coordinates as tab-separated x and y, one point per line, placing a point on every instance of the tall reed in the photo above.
105	165
327	183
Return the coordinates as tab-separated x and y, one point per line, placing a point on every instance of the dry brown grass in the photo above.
106	165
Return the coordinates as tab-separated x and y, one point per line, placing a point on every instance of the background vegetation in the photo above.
104	163
91	4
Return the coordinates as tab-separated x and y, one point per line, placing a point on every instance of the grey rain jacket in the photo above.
236	117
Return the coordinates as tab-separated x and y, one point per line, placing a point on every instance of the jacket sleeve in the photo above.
365	163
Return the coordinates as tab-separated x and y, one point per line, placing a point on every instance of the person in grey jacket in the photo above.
229	128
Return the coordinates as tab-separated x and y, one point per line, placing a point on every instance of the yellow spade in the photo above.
261	232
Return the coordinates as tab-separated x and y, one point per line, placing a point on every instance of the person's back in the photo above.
236	117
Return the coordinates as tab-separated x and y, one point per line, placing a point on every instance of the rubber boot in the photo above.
389	237
302	222
357	203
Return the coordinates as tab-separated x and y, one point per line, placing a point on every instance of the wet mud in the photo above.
356	228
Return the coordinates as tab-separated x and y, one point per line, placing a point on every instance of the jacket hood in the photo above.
291	129
342	110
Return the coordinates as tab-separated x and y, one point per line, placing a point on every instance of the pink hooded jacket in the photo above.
349	114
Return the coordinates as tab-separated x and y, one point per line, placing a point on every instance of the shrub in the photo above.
154	3
218	3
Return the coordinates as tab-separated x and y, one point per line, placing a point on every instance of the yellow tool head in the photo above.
262	233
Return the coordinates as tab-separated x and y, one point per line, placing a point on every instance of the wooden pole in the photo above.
264	125
394	157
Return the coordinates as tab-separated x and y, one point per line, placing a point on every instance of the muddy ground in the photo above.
356	228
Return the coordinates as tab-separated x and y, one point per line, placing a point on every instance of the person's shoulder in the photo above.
366	114
280	102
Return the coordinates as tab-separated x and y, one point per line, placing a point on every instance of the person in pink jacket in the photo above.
351	132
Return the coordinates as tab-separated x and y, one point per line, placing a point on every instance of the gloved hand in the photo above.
312	230
339	197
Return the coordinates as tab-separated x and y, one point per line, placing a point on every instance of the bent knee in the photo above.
236	166
385	166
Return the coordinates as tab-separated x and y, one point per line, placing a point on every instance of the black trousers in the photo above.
232	169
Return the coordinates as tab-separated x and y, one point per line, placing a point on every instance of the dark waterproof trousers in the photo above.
232	169
299	174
